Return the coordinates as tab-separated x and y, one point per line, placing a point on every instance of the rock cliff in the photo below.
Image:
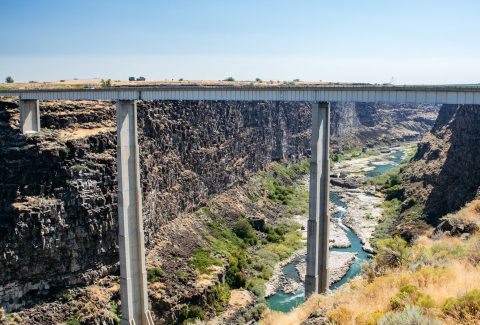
58	216
445	174
355	124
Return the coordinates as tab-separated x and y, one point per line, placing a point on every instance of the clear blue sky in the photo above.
413	41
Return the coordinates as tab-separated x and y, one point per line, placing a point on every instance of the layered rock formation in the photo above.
355	124
446	172
58	215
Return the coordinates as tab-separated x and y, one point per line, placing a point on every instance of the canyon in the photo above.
58	224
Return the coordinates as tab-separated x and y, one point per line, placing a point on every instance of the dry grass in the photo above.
440	269
470	213
73	134
361	302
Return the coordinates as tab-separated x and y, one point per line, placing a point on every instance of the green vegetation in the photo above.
251	253
390	214
354	153
410	315
392	253
243	229
466	307
229	79
189	314
410	295
253	313
73	321
282	186
220	296
66	297
9	80
106	83
204	212
397	206
154	274
114	312
182	274
202	260
79	168
92	165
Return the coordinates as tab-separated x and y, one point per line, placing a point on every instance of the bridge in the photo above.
133	280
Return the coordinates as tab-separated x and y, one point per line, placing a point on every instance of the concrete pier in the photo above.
316	279
133	277
29	116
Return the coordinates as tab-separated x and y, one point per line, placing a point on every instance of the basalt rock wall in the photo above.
58	214
446	172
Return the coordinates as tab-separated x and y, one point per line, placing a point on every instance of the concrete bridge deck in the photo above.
423	94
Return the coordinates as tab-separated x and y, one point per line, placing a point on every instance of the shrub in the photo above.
446	250
394	192
368	318
235	276
79	168
182	274
392	252
189	314
221	295
73	321
154	274
229	79
255	312
464	308
201	260
114	312
410	295
131	78
341	315
66	297
411	315
106	83
243	229
9	80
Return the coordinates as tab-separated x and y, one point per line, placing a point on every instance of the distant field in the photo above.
96	83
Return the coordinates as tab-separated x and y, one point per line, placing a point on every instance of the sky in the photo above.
376	41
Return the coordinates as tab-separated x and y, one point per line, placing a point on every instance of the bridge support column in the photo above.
29	116
316	279
133	278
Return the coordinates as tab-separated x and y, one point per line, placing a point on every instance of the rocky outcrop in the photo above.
356	124
446	172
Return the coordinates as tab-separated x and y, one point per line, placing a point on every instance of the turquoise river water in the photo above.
284	302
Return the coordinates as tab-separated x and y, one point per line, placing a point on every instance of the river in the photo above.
284	302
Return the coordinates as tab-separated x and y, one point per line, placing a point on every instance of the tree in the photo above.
131	78
258	80
141	79
106	83
229	79
9	80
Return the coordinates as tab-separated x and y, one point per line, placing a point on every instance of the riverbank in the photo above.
363	203
355	210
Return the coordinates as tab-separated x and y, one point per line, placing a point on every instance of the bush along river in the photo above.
355	210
